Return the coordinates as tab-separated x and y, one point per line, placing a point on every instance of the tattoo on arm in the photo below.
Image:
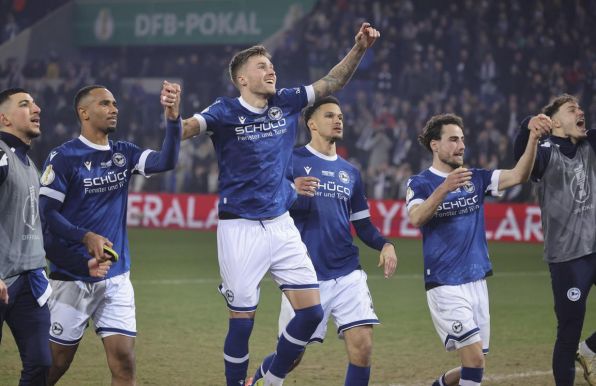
339	75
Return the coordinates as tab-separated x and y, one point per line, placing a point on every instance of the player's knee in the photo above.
122	364
476	360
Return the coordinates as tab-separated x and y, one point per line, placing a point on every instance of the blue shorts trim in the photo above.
462	338
364	322
284	287
65	342
116	330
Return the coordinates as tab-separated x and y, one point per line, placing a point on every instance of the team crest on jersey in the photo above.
469	187
580	188
457	327
118	159
307	169
344	177
229	296
275	113
48	176
574	294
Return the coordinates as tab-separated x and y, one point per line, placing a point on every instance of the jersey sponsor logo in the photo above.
327	173
331	188
307	169
344	177
53	154
574	294
457	326
119	159
275	113
48	176
580	188
101	184
31	212
242	119
3	158
88	165
264	129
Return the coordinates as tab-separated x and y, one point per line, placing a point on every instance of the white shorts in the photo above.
460	314
247	249
110	303
347	299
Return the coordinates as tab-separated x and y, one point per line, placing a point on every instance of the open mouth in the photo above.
581	124
35	121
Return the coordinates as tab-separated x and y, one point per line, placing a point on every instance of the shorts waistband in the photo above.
232	216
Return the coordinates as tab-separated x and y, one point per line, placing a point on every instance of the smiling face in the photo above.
569	122
257	76
98	110
20	116
449	149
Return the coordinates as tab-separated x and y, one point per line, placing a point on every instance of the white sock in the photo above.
585	350
272	380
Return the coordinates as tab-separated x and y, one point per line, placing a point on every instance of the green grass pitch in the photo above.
182	321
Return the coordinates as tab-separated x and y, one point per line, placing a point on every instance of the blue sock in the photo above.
471	376
236	350
294	338
357	376
264	367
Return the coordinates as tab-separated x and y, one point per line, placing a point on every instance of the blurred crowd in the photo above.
492	62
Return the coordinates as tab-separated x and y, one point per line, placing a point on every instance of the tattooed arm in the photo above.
343	71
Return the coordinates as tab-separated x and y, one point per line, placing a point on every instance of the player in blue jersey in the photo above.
24	287
446	202
331	198
83	202
253	136
565	174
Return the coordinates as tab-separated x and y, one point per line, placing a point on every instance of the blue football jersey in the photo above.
454	239
254	151
92	181
324	220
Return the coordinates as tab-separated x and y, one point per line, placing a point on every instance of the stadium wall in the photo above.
504	222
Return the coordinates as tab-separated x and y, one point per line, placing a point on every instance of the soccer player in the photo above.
565	174
83	202
331	197
24	287
253	136
446	202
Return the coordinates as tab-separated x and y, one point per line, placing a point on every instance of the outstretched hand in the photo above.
366	36
170	99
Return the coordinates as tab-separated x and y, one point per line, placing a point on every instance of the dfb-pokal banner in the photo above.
504	222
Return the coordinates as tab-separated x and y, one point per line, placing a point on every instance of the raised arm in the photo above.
343	71
420	214
166	158
538	126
